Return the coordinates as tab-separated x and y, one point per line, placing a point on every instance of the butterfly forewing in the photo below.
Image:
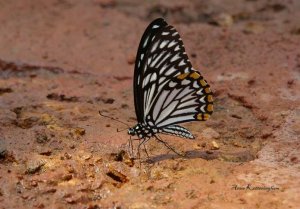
167	89
145	42
166	59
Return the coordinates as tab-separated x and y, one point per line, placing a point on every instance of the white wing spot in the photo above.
200	92
196	85
185	82
155	26
156	60
145	43
146	80
138	79
164	58
153	77
202	99
164	67
172	84
163	44
202	108
161	79
176	57
181	63
154	46
172	44
170	71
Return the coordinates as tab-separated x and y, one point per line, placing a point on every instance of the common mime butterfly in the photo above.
167	90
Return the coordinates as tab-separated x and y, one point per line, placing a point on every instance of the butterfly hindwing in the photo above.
187	98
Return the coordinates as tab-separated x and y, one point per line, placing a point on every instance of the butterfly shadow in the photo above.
191	154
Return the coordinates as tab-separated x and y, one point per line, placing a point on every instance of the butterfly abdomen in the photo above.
178	131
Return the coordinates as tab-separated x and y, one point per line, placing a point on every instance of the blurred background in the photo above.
96	35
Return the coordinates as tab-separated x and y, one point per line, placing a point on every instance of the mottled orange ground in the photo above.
63	60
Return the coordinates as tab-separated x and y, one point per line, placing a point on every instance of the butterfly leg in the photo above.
168	146
138	148
130	148
146	150
142	142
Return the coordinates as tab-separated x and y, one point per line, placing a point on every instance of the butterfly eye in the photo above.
131	132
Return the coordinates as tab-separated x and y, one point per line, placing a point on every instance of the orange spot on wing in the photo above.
207	90
195	75
183	76
201	116
202	82
210	107
206	116
209	98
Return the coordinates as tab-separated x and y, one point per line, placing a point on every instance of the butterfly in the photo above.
167	89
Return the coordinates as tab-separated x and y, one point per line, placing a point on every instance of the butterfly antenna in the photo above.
120	130
106	116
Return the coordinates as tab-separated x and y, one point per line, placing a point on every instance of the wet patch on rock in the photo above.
5	91
62	97
13	69
57	151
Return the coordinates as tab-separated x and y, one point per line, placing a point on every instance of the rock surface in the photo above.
61	61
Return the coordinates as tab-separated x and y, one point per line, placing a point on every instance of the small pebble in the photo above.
67	156
215	145
224	20
79	131
34	166
210	133
131	60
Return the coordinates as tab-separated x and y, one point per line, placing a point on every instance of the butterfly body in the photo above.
167	89
143	130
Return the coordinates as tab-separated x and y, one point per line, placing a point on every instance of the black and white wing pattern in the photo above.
167	89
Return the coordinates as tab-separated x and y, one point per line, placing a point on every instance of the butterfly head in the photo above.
131	131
